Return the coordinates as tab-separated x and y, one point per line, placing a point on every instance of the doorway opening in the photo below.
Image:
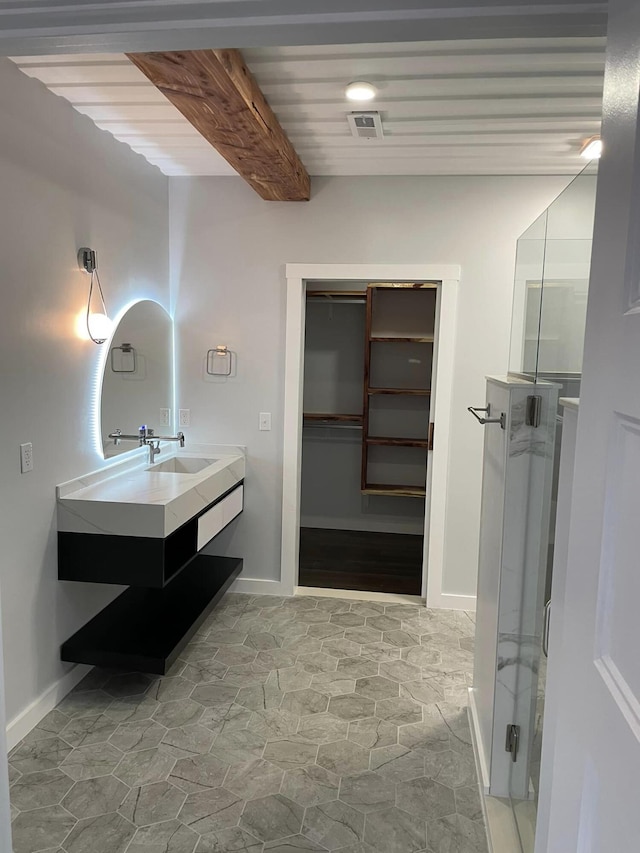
368	372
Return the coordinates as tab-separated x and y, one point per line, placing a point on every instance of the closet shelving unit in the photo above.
400	323
337	420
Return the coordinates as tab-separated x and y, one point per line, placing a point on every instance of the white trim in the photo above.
28	719
297	277
482	766
359	595
258	586
452	601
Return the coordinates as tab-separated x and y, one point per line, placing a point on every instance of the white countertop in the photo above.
128	499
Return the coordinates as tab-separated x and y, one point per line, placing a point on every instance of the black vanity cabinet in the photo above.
173	587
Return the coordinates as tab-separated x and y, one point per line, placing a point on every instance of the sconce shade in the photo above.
99	327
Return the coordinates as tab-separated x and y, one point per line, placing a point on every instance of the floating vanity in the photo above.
145	526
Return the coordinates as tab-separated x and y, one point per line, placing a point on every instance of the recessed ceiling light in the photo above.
592	148
360	91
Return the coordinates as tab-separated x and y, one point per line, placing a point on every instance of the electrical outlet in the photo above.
26	457
185	417
265	421
165	417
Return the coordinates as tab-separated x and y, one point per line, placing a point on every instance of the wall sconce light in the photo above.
99	326
219	361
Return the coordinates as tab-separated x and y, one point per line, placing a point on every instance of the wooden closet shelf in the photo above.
379	339
397	442
332	418
399	491
408	392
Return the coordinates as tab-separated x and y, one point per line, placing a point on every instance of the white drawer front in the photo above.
212	522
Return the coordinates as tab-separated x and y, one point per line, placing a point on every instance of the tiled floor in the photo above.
288	725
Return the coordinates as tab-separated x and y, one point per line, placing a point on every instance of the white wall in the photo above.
64	184
228	250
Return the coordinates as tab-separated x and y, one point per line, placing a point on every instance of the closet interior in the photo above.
367	432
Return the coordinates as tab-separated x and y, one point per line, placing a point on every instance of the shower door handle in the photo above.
488	420
545	628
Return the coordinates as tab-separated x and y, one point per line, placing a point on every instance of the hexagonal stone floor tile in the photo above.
153	803
290	678
132	708
171	688
322	728
397	763
315	662
234	747
428	736
188	740
395	831
310	786
363	635
274	724
333	683
46	754
343	758
41	828
234	840
183	712
294	844
380	652
217	693
333	825
254	779
304	702
94	797
373	733
424	797
399	711
234	655
276	658
83	731
357	667
43	788
272	818
368	792
340	648
450	768
291	752
89	762
211	810
110	833
456	832
170	836
401	639
260	697
425	691
347	620
384	623
204	671
199	773
128	684
400	670
142	768
352	707
377	687
140	734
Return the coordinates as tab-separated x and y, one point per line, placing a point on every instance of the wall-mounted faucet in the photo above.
147	438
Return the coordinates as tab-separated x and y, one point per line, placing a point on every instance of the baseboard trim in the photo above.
481	761
29	718
452	601
259	586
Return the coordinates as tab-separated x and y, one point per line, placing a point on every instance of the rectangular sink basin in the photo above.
181	465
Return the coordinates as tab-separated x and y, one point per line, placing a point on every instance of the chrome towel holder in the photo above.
488	420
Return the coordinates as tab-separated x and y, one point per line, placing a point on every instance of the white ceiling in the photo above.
503	106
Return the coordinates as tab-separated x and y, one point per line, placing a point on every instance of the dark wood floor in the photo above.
351	559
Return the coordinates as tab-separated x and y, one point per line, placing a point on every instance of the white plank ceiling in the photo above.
473	107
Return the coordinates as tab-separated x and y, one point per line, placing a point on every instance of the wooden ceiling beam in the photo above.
215	91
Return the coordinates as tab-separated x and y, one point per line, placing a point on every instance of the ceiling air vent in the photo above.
365	125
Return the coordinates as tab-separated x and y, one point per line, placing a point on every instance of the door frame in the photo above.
435	511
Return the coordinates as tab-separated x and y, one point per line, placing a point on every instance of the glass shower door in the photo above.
552	279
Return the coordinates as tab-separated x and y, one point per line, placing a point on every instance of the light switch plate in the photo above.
265	421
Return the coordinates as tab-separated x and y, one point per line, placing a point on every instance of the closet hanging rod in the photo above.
329	425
